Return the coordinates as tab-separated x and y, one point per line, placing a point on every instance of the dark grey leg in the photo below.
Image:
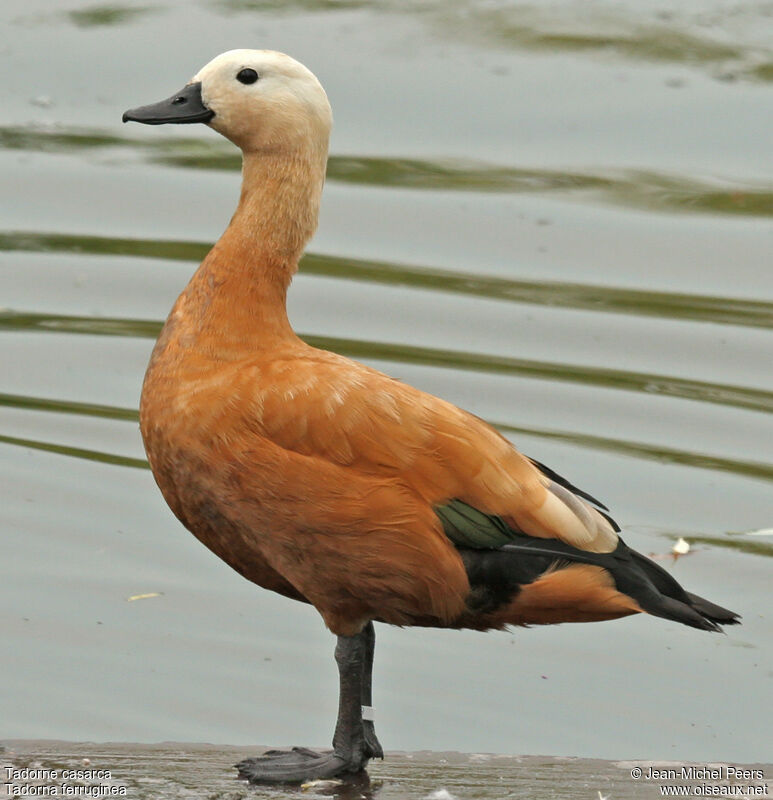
373	747
349	751
348	741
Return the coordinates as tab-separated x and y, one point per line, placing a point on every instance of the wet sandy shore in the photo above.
171	770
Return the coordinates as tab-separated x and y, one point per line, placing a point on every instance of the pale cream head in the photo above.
285	109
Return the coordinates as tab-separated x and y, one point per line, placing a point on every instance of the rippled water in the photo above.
558	217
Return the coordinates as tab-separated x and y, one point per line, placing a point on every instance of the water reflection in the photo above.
669	305
660	453
742	545
76	452
641	450
354	787
665	385
68	407
285	6
686	36
105	15
618	33
647	189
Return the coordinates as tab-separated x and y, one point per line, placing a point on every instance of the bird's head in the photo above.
263	101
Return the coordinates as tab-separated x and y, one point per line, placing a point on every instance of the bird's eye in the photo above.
247	76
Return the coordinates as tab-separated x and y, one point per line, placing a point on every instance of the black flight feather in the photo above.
500	560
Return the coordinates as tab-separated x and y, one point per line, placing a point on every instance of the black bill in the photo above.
184	107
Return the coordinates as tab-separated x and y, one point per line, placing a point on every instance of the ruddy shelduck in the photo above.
331	483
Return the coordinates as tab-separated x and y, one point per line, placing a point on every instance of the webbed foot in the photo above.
297	765
372	747
354	741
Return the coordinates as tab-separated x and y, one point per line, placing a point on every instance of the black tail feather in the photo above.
664	582
669	608
673	602
713	612
652	587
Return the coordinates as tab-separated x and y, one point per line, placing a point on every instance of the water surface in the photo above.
558	217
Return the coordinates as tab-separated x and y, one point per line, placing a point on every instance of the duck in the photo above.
332	483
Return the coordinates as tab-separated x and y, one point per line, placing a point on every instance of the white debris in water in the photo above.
441	794
760	532
321	785
681	547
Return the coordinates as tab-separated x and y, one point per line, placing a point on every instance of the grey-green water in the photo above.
557	216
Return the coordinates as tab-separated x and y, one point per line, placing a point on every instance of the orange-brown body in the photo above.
331	483
323	479
316	476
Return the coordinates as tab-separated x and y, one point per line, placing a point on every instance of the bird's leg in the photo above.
373	747
348	739
349	753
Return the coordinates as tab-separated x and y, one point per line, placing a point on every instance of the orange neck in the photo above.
236	299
